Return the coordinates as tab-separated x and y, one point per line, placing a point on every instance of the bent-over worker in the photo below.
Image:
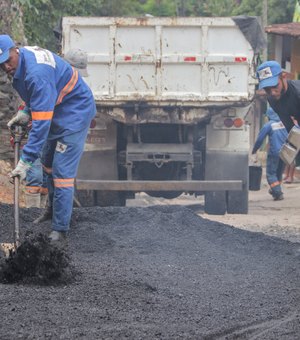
62	106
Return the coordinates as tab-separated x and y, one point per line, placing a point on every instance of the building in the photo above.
284	46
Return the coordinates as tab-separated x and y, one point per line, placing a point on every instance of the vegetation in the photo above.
41	16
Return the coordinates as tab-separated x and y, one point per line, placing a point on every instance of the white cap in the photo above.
78	59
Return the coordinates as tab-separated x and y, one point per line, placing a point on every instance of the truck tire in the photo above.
215	202
237	202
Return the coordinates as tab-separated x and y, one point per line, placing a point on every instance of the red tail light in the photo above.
238	122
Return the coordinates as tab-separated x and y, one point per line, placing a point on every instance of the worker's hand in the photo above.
22	117
21	169
254	158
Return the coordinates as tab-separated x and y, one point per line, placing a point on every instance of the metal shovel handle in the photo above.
18	132
16	198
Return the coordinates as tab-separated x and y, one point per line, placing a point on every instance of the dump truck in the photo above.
172	97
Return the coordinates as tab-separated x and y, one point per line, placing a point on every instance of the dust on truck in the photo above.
172	95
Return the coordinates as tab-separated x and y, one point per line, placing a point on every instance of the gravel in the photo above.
159	272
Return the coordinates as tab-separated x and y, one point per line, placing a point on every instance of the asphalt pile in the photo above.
36	261
159	272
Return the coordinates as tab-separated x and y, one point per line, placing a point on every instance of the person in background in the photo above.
289	173
61	106
78	59
283	95
277	134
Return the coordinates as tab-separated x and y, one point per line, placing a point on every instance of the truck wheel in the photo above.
110	198
237	202
215	202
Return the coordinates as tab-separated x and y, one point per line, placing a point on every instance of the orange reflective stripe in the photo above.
274	184
63	182
69	87
44	191
36	115
32	190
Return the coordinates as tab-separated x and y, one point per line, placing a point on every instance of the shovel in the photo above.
17	132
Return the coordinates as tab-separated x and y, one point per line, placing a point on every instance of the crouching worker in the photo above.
62	106
277	134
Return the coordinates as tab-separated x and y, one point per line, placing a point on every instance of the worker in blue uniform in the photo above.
277	134
61	106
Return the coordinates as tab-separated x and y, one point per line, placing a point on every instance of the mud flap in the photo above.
237	202
227	166
215	202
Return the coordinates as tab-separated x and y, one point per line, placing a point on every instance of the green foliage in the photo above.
159	7
278	11
219	8
41	16
281	11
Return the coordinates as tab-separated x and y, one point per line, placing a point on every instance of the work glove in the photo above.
21	169
22	117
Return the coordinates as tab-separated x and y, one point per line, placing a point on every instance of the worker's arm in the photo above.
266	129
43	96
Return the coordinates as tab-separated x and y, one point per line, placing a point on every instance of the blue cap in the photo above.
6	44
268	74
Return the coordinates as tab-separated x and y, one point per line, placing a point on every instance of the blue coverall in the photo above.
277	133
62	107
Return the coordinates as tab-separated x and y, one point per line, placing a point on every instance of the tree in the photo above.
159	7
41	16
220	8
278	11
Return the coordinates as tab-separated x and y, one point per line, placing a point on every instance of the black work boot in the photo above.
278	197
47	215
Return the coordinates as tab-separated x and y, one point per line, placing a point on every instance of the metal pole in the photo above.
18	132
265	23
16	198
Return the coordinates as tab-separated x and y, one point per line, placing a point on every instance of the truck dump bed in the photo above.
164	61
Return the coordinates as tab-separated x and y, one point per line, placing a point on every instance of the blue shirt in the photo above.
61	103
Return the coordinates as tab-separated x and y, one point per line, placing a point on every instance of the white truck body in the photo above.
195	61
186	73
